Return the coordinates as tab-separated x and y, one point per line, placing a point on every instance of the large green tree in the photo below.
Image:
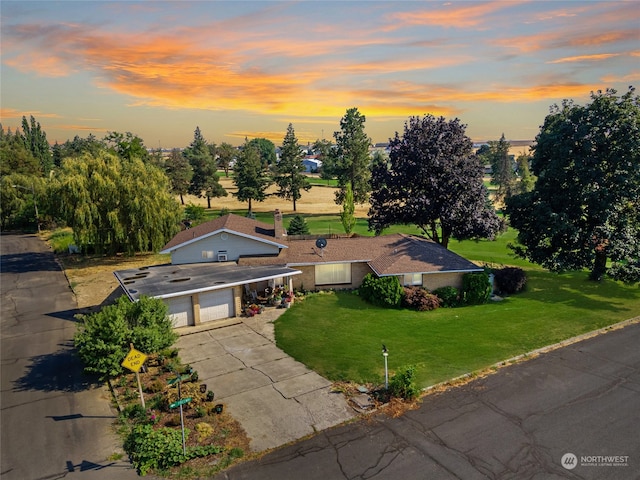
126	145
289	170
226	154
250	177
205	181
585	208
115	205
15	157
266	149
351	162
434	181
79	146
180	173
322	149
103	338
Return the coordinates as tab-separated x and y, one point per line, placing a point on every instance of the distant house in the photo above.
311	163
217	266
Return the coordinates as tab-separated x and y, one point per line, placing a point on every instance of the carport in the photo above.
203	292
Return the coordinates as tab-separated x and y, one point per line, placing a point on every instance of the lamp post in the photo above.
35	203
385	354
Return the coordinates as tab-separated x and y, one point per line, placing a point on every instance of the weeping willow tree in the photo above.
115	205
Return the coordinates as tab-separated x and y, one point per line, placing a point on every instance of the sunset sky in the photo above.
248	69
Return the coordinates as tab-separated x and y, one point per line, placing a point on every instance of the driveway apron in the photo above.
276	399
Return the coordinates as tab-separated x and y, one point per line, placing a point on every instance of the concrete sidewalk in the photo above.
275	398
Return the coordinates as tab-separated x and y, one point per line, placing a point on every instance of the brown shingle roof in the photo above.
230	222
386	254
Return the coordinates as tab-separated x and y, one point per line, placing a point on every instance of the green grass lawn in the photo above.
340	336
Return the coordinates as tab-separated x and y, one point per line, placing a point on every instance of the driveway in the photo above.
54	422
275	398
569	413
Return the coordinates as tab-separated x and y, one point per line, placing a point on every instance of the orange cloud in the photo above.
585	58
632	77
459	15
6	113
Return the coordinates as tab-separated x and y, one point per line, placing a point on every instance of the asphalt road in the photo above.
580	403
54	422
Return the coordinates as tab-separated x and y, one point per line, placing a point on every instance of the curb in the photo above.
532	354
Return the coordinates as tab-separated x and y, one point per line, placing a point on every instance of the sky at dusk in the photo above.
242	69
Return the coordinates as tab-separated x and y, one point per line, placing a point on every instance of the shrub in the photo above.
403	384
476	288
155	387
194	213
417	298
449	296
135	412
381	291
154	449
510	280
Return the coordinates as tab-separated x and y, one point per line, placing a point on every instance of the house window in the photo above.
222	256
413	279
333	273
207	254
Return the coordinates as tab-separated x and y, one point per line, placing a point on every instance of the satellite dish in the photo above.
321	242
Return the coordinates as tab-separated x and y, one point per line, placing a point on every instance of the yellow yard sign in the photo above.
134	360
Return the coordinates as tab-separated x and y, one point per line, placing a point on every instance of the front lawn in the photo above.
340	336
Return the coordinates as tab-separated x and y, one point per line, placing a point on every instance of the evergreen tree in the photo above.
298	226
351	157
502	172
527	180
249	176
179	172
16	158
35	140
205	181
288	172
348	208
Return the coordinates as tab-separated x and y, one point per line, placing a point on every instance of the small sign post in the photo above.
181	401
134	361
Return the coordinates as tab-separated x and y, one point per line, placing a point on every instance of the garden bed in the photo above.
205	419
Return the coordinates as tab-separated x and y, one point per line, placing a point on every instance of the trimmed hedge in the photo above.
449	296
476	288
381	291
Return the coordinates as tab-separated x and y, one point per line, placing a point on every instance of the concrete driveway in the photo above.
275	398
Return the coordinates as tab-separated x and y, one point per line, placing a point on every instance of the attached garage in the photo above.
216	304
198	293
180	311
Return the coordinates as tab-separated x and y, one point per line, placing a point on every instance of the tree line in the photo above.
574	201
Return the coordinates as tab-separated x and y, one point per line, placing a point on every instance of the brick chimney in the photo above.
278	226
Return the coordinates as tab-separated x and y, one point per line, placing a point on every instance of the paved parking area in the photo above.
275	398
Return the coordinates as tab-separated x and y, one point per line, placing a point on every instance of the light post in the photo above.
35	203
385	354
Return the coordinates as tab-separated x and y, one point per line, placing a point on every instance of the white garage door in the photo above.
180	311
216	305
